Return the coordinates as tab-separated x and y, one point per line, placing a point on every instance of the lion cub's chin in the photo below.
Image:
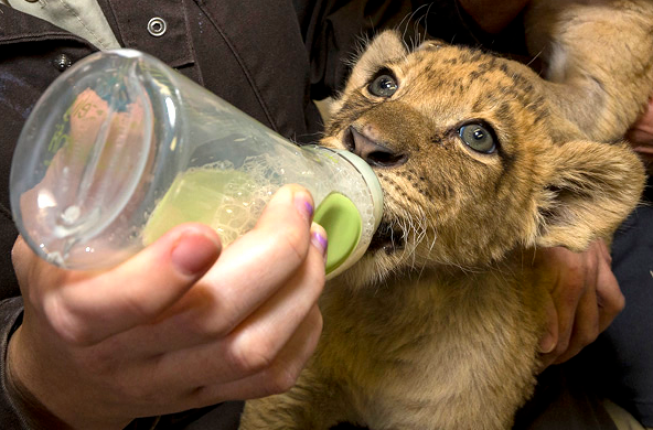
373	268
377	266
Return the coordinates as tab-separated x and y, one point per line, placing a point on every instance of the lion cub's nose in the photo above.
374	153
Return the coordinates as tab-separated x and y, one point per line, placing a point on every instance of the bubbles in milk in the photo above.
244	201
231	199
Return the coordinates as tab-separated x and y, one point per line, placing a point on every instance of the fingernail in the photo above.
194	253
319	239
547	344
303	203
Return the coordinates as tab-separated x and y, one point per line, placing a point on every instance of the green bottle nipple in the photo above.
338	215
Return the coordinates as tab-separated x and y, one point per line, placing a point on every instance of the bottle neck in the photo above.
351	212
370	179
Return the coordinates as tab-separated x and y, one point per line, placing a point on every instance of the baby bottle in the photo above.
121	148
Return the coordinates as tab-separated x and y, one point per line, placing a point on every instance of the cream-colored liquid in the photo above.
226	199
231	200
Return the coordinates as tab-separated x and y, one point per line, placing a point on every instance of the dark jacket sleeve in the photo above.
29	48
10	314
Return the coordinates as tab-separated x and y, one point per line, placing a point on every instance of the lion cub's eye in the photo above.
479	137
383	86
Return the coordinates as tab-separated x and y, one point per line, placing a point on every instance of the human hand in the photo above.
583	299
493	17
175	327
640	136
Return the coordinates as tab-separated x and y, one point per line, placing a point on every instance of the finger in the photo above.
586	327
641	134
586	321
198	386
237	285
254	267
258	340
611	300
549	339
268	327
641	137
19	254
566	295
277	378
566	319
89	309
604	251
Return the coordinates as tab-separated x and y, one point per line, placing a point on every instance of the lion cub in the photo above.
437	326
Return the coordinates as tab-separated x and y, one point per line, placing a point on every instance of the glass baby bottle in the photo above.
121	148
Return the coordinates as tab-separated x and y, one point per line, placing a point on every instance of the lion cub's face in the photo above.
473	160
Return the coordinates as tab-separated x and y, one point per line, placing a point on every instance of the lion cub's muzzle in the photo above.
365	143
387	239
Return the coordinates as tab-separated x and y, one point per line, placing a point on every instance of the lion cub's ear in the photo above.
591	188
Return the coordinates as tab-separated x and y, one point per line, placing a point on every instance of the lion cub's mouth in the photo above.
386	238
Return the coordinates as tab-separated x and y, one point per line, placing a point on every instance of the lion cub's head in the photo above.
473	160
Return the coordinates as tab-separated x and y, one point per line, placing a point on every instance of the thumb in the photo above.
92	308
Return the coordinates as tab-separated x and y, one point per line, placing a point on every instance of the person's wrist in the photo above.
30	409
43	402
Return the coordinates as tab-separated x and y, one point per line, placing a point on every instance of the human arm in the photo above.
182	325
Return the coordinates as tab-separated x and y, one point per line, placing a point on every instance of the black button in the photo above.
62	62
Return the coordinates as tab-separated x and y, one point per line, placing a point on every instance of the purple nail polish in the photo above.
309	209
302	201
320	242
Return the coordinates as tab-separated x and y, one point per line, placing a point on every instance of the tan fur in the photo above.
439	328
599	59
